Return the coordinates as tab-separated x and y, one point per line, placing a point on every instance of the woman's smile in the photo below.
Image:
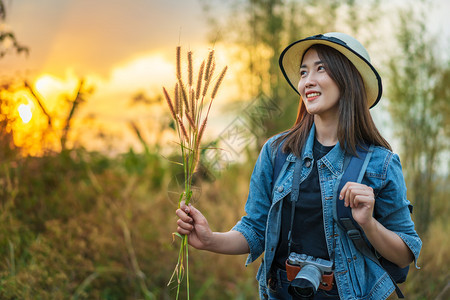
312	95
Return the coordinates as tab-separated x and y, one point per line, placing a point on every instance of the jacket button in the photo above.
308	163
280	189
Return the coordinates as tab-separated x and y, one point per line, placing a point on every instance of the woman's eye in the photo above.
320	68
302	73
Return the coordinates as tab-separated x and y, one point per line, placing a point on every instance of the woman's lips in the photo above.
310	96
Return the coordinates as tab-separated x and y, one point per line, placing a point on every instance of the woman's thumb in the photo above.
193	212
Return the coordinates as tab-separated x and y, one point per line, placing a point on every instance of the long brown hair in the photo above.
355	126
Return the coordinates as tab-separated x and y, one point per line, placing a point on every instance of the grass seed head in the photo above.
182	128
177	99
208	64
199	80
207	82
190	69
178	62
184	94
200	132
219	81
169	103
190	121
192	101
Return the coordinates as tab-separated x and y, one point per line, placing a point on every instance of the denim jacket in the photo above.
357	277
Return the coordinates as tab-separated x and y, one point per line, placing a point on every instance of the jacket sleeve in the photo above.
253	224
392	206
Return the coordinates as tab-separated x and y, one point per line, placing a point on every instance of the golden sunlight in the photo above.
41	112
25	112
51	88
38	112
150	70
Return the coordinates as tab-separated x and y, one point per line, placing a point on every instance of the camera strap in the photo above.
294	197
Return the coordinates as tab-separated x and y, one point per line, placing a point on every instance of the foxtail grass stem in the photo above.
186	109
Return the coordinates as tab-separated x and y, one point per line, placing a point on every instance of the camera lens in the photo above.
302	289
305	284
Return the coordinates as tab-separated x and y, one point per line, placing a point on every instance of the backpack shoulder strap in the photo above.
355	173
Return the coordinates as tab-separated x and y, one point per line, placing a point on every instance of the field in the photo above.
79	225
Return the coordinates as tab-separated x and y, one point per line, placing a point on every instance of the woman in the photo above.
337	85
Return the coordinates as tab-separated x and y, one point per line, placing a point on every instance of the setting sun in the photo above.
25	113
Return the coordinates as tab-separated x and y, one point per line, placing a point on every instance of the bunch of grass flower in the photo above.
190	121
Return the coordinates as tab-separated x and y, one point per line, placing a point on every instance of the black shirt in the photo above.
308	235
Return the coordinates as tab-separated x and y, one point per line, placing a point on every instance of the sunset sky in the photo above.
122	47
87	36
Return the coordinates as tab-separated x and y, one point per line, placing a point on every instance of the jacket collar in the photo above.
334	160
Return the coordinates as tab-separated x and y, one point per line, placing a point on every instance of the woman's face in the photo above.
319	92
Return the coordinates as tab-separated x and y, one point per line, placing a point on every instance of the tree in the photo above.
8	39
419	96
7	148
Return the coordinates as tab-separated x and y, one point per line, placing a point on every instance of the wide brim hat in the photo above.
291	57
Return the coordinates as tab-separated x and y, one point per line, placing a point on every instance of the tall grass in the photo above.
186	109
61	236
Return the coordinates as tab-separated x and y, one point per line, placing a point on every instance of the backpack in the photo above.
343	216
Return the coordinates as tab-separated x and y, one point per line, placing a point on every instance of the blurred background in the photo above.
88	187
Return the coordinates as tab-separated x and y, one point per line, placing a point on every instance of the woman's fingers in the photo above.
345	194
185	222
355	194
184	228
184	207
188	217
183	215
360	200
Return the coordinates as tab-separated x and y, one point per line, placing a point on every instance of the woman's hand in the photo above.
192	223
361	199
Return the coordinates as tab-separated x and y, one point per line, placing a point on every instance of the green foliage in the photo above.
98	229
64	219
419	96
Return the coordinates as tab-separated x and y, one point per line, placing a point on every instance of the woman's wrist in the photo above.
370	226
211	243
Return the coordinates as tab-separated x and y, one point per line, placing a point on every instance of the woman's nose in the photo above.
307	81
310	80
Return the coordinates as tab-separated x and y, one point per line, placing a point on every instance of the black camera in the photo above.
307	274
